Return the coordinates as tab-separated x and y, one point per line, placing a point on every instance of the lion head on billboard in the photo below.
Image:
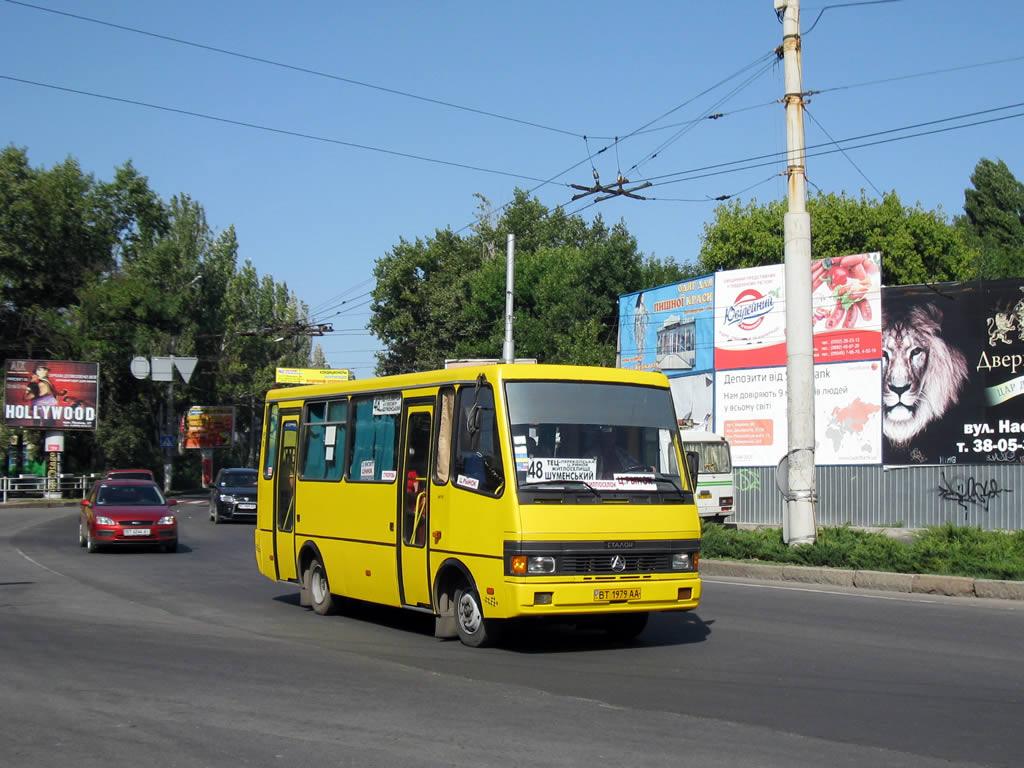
921	375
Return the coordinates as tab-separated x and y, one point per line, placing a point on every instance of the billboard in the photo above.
751	413
669	328
953	373
51	394
209	426
846	305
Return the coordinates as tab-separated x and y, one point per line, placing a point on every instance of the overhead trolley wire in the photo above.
296	68
269	129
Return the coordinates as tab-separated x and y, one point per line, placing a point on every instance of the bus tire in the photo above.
474	630
626	626
320	597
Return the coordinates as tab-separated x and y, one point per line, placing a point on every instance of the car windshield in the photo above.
129	495
611	436
239	479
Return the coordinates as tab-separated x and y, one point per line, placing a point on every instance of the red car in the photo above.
127	512
129	474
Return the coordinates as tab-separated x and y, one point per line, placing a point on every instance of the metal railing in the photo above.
34	486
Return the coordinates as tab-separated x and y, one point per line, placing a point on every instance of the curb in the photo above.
921	583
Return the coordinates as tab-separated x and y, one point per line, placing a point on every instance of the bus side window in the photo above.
477	451
443	445
373	442
270	450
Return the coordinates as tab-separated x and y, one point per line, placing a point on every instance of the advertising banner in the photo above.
750	312
750	317
694	399
953	373
847	305
311	375
51	394
209	426
670	328
750	411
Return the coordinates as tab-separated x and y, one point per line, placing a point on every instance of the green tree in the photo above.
444	296
917	246
993	220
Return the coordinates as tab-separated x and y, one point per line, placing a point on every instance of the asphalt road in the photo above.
194	659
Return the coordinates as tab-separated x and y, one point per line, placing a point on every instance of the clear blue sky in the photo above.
317	213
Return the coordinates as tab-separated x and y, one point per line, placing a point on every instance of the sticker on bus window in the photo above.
330	435
388	475
366	470
387	405
541	470
522	458
467	482
635	481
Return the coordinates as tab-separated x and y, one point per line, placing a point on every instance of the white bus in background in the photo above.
715	489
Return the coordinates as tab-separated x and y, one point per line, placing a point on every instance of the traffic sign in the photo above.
168	441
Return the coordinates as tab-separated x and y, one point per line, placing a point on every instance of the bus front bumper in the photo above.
536	598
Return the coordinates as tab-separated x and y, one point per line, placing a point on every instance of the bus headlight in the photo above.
541	565
682	561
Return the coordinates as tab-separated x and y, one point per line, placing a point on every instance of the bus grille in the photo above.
647	562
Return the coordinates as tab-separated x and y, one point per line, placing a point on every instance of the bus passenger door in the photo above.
284	498
414	507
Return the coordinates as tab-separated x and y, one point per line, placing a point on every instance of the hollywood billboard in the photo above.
953	373
50	394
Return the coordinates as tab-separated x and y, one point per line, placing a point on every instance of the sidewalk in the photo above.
920	583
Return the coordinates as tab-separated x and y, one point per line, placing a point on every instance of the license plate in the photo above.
705	494
247	506
604	595
136	531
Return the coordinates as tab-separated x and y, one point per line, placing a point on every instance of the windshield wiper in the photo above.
553	484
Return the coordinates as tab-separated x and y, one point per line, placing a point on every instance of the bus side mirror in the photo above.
692	463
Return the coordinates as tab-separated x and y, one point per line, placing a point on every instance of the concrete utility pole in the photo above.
798	525
508	351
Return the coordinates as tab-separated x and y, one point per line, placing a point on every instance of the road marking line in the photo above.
821	591
55	573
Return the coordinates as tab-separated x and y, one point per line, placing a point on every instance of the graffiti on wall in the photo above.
969	491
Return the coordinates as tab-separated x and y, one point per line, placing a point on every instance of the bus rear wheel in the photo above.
320	589
474	630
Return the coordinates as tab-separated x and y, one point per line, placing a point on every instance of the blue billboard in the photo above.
669	328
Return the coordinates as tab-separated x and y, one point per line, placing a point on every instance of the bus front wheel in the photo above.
474	630
320	589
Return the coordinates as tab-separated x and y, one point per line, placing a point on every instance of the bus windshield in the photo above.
611	436
714	456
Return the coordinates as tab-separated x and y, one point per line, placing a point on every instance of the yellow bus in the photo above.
482	494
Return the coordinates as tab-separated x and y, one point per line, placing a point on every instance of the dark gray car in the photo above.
233	495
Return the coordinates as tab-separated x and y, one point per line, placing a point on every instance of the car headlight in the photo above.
166	520
101	520
227	497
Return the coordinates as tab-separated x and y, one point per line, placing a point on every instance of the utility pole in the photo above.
508	351
799	520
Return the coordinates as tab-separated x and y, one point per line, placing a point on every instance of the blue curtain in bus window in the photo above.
314	465
384	444
337	412
363	438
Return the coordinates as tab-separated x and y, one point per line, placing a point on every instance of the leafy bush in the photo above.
948	549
